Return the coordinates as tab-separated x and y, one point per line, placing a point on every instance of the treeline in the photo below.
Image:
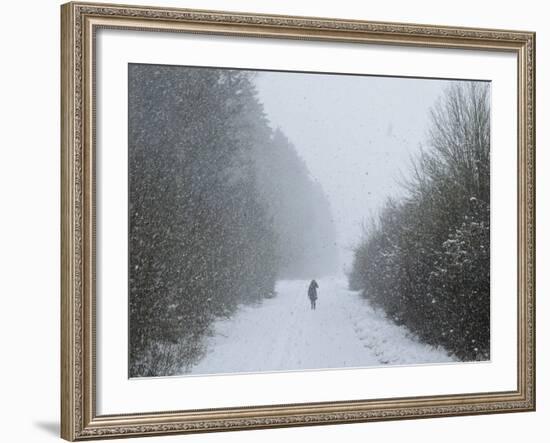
203	234
306	236
425	259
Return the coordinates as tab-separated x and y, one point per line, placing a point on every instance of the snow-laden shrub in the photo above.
426	259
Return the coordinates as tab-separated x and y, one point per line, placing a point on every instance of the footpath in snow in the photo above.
283	333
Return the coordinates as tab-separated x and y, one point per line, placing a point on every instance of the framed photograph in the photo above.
282	221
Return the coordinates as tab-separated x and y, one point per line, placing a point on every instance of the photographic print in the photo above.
284	221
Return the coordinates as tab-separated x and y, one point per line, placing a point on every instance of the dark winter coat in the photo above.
312	291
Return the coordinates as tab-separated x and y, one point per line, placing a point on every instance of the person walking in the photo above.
312	293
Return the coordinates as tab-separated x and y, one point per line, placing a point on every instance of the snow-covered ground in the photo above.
283	333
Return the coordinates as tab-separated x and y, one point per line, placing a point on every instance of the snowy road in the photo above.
283	333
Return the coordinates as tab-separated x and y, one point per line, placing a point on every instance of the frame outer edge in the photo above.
534	133
531	128
527	222
67	224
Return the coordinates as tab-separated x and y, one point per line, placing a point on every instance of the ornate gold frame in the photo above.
79	21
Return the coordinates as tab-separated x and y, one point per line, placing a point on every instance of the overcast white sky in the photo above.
355	134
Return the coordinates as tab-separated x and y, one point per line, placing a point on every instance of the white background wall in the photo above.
29	218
